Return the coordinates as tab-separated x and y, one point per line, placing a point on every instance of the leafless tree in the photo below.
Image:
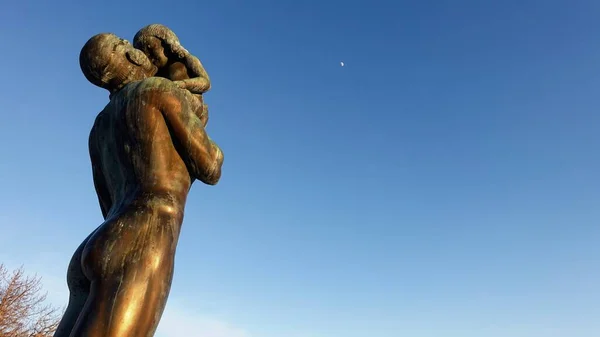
22	311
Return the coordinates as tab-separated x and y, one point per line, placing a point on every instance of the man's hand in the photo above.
204	114
196	103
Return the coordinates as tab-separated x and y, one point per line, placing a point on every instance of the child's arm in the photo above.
199	82
196	85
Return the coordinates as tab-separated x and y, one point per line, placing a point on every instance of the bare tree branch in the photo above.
22	313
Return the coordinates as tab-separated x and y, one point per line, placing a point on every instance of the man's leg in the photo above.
79	289
129	299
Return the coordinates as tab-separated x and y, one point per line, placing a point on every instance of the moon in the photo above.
342	64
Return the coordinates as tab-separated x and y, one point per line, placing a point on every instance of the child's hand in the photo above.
197	85
177	49
181	84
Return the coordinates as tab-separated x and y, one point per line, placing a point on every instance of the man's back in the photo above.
134	158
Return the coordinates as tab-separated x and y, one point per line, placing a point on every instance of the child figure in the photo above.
174	62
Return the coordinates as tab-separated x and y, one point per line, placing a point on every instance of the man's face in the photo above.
111	62
130	64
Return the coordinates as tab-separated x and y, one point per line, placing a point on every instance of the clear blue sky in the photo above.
443	183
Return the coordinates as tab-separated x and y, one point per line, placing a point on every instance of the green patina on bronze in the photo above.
147	147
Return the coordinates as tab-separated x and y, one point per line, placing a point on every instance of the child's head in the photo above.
111	62
173	61
156	41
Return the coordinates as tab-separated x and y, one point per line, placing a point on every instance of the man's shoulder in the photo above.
152	91
152	84
159	83
153	87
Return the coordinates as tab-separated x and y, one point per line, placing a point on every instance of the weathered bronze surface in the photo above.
147	147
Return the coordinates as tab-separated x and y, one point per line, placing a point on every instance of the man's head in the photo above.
111	62
156	41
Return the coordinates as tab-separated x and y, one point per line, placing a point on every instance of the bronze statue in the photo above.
147	147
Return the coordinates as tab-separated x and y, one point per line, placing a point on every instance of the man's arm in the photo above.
203	157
